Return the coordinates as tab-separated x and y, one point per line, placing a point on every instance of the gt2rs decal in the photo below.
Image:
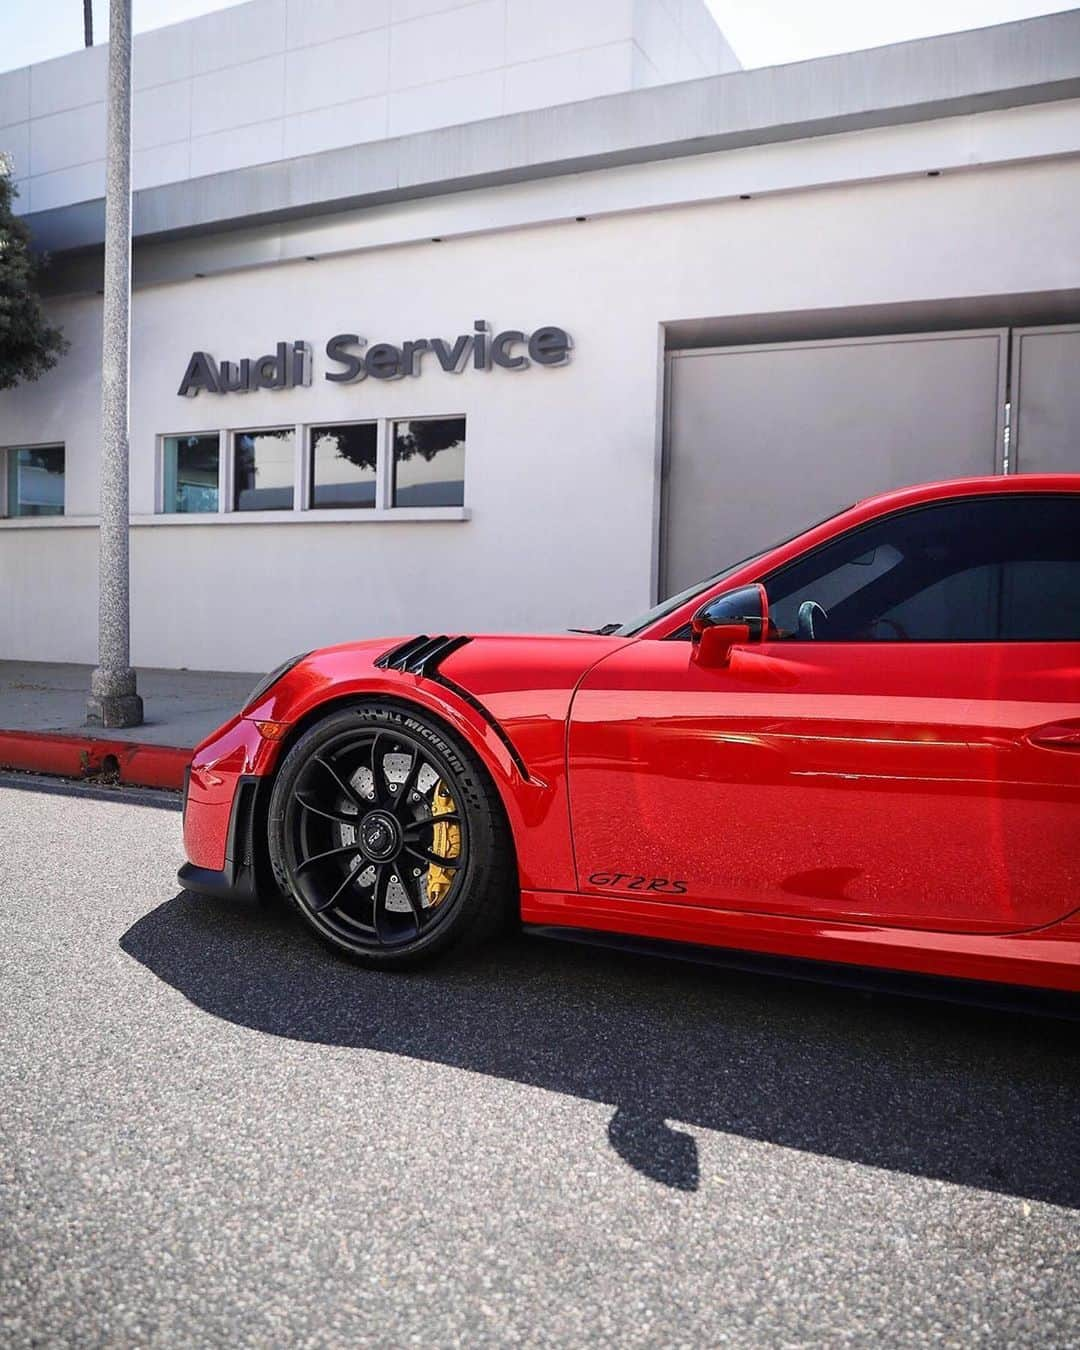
627	881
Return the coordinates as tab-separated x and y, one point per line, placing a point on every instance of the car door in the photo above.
908	755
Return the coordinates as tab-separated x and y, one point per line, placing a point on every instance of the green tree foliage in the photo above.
28	345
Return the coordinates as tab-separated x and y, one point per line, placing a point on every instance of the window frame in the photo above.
6	453
307	498
160	508
303	463
231	507
912	510
387	448
681	633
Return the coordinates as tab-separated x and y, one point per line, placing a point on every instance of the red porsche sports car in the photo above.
860	746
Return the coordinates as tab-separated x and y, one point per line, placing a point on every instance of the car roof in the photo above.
959	487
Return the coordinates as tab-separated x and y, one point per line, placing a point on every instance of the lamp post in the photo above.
113	700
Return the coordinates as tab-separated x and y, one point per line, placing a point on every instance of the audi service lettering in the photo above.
288	367
353	359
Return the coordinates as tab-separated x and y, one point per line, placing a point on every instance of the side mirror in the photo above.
730	620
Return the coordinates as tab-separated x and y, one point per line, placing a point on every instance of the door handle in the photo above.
1057	736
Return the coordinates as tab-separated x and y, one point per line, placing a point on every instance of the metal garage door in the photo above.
764	440
1046	400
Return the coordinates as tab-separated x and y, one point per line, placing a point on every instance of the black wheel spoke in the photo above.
339	817
410	781
449	863
378	903
349	792
380	746
407	885
411	831
330	853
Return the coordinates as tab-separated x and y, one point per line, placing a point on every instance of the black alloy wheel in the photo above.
384	836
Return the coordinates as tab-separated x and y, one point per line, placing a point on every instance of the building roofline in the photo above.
1028	62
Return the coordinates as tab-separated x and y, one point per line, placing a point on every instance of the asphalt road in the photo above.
212	1132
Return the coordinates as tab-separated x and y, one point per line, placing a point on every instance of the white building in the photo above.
752	296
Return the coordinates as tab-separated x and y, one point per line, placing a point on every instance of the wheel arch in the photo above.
500	769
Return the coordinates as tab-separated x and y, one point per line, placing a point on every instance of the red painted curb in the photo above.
133	762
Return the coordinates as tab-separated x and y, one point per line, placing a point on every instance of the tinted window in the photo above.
36	481
343	464
429	462
264	469
978	570
634	626
190	472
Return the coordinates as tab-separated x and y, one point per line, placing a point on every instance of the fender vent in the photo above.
420	655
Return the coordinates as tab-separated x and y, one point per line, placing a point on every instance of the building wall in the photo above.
276	79
561	466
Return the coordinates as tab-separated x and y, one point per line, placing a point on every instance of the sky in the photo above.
762	32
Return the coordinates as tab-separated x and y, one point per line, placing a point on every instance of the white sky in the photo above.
763	32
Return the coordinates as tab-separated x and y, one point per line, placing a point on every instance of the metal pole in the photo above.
113	700
88	22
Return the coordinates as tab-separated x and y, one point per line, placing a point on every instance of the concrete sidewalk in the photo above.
43	711
181	706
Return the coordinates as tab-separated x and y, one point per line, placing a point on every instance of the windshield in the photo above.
673	602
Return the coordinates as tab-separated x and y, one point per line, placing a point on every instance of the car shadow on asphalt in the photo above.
981	1099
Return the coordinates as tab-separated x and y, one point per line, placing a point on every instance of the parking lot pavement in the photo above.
216	1133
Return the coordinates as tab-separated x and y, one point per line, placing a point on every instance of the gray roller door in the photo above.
1046	400
764	440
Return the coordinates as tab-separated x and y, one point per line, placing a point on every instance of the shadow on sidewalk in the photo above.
979	1099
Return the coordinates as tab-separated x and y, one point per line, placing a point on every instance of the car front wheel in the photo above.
388	837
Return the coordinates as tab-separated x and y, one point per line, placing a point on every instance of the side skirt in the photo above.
1046	958
865	979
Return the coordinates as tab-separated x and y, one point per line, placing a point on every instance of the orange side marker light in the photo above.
272	731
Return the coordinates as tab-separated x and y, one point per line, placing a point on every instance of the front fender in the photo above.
532	797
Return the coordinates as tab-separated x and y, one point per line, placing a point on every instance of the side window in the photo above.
983	569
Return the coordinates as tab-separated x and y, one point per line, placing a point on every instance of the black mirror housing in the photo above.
748	605
734	619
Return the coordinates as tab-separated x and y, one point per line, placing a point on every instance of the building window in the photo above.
343	464
429	462
373	466
264	470
191	472
35	481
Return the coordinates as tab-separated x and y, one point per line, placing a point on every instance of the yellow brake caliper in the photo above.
445	842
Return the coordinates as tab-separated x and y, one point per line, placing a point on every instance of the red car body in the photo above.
907	806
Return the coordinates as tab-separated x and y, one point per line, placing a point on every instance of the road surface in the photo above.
216	1133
